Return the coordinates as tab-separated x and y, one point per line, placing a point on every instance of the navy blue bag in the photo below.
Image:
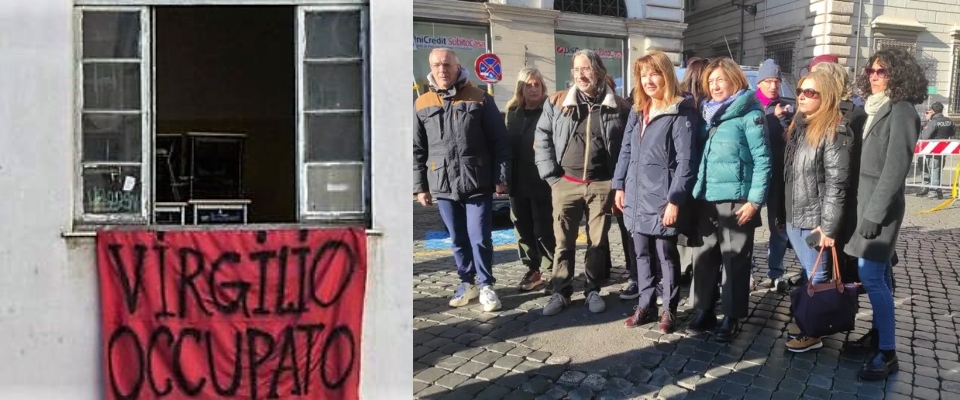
828	307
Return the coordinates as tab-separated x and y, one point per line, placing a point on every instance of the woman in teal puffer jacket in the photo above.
731	186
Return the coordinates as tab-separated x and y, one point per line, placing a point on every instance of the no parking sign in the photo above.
488	68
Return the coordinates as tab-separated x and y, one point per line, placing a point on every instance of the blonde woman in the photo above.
817	177
653	179
530	201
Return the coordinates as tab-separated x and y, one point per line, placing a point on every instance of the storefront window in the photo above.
469	42
610	50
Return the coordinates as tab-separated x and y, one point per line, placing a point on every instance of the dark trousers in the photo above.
572	202
470	224
730	245
631	256
533	222
667	260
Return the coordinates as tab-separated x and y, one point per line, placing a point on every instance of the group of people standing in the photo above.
690	166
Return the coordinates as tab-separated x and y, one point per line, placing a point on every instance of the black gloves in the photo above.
869	229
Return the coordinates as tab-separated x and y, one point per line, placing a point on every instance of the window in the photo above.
124	115
611	51
113	115
782	54
955	85
689	5
469	42
910	47
609	8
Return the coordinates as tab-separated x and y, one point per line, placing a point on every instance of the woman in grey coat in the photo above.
893	82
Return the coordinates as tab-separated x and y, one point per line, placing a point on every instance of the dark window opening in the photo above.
608	8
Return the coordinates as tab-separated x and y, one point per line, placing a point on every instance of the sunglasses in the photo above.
808	93
881	72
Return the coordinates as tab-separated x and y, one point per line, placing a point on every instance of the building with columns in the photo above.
544	34
793	32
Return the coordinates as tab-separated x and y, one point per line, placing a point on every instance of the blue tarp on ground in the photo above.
437	240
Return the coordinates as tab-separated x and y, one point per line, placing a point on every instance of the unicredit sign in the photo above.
453	42
603	53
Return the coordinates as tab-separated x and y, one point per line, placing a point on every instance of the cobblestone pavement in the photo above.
516	353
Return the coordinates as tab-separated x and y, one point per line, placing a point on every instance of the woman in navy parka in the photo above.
654	176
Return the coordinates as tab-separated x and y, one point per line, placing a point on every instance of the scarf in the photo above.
710	107
872	106
764	99
590	102
452	90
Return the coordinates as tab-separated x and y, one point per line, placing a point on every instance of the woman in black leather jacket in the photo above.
816	179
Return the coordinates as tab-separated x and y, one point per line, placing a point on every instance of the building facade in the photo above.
545	34
793	32
88	90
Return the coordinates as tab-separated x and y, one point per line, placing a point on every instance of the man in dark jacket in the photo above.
778	114
577	143
938	127
461	155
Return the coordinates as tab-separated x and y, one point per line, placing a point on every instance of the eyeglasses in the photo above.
808	93
881	72
577	71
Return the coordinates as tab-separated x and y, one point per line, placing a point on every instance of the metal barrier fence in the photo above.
936	170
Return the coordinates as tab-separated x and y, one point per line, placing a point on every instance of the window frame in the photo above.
302	190
771	50
954	108
145	9
81	217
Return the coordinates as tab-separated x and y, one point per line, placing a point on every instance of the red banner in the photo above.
232	314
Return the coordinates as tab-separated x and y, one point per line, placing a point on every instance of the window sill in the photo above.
78	234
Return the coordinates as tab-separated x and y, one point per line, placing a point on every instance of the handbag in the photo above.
825	308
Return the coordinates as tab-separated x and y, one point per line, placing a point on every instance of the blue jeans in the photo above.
776	249
877	281
470	224
808	255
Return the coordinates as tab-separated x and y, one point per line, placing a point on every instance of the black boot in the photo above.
703	321
880	366
869	341
728	329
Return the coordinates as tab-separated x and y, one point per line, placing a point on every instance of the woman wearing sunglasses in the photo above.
893	83
653	180
732	182
816	180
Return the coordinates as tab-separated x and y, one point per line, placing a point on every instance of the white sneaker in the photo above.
465	292
556	304
489	299
595	303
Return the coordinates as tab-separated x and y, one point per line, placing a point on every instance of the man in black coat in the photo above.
937	127
779	113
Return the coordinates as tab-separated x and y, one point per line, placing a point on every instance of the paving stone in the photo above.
450	381
820	381
519	395
610	395
554	393
673	364
650	359
672	392
660	377
619	371
470	368
687	380
469	352
520	351
643	391
487	357
756	393
418	386
508	362
572	378
739	378
639	375
555	359
493	392
925	393
551	372
491	374
451	363
617	384
696	366
432	392
814	392
733	389
512	380
580	393
594	382
430	375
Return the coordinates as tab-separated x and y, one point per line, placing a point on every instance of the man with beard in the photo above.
577	144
